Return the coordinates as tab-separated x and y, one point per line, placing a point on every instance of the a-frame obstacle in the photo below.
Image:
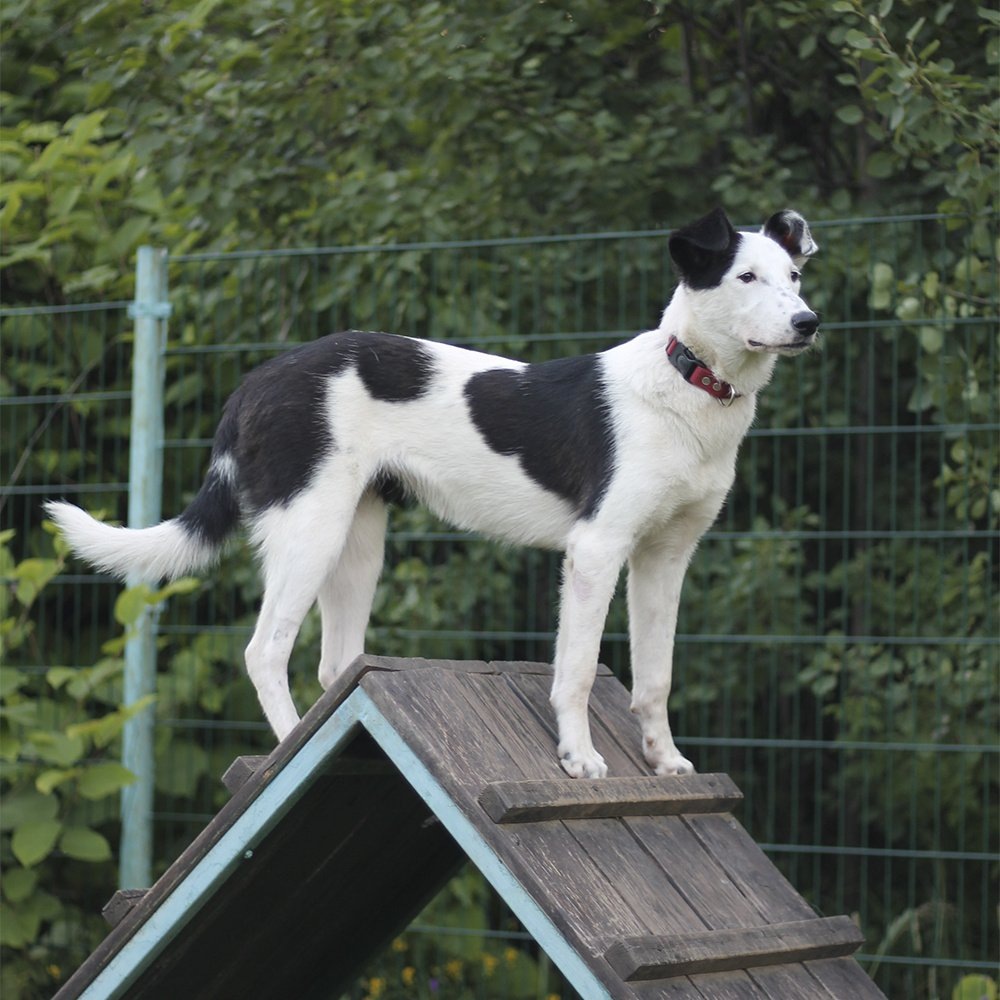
635	886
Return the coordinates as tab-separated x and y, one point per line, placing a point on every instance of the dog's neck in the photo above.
726	354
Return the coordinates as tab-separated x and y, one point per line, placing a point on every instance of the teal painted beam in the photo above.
149	311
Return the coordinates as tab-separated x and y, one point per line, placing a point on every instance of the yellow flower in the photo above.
454	968
510	954
490	962
408	975
375	987
399	945
54	971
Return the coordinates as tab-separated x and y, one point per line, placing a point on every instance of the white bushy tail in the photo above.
164	551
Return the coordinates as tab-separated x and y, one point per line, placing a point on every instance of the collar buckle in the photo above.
695	372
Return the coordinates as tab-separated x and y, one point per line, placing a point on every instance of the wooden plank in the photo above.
121	904
534	693
646	958
395	664
749	868
727	986
792	981
845	979
698	875
433	716
566	799
607	846
241	771
503	717
432	712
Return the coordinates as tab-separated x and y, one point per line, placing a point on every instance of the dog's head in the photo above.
747	285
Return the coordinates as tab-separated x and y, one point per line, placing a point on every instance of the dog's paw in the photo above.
667	760
675	765
583	765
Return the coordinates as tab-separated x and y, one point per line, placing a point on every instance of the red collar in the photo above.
697	373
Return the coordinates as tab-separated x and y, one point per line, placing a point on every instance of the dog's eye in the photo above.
796	275
746	277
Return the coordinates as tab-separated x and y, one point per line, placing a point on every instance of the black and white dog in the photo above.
621	456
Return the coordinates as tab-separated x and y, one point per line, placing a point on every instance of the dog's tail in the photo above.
185	544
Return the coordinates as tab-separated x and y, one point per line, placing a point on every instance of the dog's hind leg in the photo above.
300	544
345	598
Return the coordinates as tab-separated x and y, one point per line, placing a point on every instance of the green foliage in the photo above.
382	122
453	952
57	785
975	988
927	106
59	729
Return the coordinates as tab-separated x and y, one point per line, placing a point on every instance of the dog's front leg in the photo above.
656	573
590	572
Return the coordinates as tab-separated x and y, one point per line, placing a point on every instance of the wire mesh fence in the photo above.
837	649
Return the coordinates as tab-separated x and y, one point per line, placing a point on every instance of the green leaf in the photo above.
931	339
32	575
11	680
26	805
103	730
185	585
14	932
57	748
881	165
101	780
131	604
850	114
33	842
916	29
48	781
84	844
18	883
975	988
857	39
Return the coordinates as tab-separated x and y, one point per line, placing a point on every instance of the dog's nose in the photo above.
805	323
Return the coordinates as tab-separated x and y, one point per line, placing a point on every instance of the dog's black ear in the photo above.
703	250
791	231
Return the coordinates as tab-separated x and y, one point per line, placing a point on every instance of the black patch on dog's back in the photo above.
279	412
554	417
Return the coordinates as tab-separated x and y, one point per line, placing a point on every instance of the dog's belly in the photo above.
493	497
432	447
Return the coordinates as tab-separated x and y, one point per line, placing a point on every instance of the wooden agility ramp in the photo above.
635	886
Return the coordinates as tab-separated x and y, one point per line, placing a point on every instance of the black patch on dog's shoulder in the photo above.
554	417
282	425
703	252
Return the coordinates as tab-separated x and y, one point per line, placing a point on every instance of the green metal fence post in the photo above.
149	311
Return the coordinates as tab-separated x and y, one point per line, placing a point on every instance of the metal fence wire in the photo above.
837	649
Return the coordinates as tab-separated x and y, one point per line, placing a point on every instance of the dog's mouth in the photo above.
792	347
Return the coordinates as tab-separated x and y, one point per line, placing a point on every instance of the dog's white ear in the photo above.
791	231
703	250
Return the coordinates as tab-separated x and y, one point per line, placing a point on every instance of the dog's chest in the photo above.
670	461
